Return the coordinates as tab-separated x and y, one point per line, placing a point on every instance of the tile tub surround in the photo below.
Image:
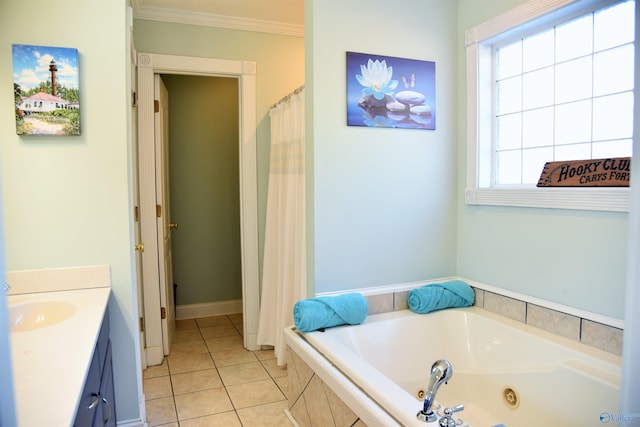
586	331
311	401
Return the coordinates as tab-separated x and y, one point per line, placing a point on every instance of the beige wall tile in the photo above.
342	414
602	336
317	404
300	414
479	299
400	300
554	321
505	306
380	303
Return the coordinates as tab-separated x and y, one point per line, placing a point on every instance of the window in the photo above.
549	81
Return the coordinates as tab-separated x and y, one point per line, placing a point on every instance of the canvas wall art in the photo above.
385	91
46	90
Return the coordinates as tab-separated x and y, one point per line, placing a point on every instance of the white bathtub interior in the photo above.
504	372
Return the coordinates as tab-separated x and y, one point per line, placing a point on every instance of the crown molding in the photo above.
213	20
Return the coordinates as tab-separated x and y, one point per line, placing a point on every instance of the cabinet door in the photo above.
107	394
90	400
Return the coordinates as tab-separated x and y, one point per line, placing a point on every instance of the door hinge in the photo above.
163	313
156	106
158	211
142	324
136	214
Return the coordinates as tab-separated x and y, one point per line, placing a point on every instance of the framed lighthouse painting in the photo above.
46	90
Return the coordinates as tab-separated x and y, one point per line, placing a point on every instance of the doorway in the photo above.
245	73
205	187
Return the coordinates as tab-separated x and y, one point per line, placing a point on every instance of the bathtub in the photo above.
504	372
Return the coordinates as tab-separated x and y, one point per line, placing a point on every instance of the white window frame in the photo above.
480	122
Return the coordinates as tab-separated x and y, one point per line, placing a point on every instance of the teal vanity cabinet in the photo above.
97	403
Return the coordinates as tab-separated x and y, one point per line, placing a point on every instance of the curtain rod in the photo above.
286	98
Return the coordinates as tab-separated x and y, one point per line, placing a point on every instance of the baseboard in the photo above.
132	423
219	308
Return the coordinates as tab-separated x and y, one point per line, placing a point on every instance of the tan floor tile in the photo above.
160	411
189	347
218	331
243	373
201	403
235	318
190	382
205	322
283	384
235	356
157	387
187	362
186	335
254	393
186	324
224	419
265	354
156	371
224	343
269	415
271	365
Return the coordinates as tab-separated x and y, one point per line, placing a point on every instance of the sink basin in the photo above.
32	315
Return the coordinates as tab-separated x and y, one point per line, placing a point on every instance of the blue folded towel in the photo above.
324	312
437	296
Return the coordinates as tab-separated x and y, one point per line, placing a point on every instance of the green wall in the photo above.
205	201
280	67
67	199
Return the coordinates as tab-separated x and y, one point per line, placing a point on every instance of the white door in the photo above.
164	225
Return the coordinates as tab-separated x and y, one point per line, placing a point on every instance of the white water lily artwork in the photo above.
46	90
389	92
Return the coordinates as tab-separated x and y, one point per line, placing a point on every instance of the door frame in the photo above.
245	71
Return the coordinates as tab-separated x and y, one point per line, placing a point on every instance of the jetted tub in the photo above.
504	372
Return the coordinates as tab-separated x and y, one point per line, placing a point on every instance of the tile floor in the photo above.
210	380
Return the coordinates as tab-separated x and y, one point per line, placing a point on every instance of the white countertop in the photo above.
50	364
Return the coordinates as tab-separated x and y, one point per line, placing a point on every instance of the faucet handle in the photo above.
447	420
6	287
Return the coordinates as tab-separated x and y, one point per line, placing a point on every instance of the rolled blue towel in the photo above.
437	296
324	312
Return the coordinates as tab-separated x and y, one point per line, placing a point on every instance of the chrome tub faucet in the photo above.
441	372
6	287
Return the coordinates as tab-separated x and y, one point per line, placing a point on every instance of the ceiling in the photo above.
271	16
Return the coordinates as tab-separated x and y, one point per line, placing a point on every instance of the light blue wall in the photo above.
67	199
576	258
383	200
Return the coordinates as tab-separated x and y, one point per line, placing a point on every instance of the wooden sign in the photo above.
612	172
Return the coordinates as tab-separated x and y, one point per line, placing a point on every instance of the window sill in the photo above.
590	199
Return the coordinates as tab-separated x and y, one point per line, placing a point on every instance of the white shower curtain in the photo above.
284	262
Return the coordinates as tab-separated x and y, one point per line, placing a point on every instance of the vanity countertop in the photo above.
50	363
